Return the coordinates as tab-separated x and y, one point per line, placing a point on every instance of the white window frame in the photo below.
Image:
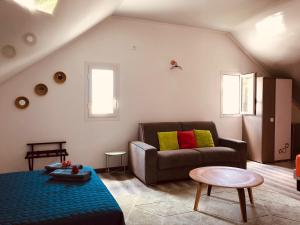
109	66
240	94
252	75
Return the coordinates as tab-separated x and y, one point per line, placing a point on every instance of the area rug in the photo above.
172	203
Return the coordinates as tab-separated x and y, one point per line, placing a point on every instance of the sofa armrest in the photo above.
240	146
143	161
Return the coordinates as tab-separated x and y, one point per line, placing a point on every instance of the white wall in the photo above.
149	91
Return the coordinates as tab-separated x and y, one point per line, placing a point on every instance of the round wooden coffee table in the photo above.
227	177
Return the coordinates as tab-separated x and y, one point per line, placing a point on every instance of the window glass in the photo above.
230	94
102	91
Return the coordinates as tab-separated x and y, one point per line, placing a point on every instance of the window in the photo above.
102	99
230	95
238	94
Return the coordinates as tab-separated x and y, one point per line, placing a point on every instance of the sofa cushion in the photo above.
148	131
178	158
218	154
187	139
204	138
168	140
205	125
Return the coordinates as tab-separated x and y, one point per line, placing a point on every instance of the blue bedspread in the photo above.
34	198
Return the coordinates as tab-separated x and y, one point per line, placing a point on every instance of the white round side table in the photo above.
115	154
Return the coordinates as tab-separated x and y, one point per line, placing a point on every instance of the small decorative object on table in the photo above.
117	154
63	165
65	171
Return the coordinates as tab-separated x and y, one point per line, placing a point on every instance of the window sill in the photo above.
103	118
230	115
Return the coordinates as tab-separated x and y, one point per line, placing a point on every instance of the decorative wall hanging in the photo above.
21	102
174	65
29	38
41	89
8	51
60	77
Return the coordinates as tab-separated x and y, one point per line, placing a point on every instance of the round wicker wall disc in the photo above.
21	102
8	51
60	77
40	89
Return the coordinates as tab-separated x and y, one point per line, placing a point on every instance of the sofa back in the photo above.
148	131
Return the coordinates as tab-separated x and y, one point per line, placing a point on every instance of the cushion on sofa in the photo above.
148	131
168	140
217	154
178	158
205	125
186	139
204	138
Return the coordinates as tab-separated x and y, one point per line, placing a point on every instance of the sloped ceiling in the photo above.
215	14
70	19
269	30
272	37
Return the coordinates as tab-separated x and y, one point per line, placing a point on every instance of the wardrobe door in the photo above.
283	114
252	131
268	119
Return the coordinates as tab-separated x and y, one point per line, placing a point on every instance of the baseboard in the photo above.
103	170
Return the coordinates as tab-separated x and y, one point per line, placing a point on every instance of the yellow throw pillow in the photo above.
204	138
168	140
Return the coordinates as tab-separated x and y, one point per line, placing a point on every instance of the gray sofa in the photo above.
151	165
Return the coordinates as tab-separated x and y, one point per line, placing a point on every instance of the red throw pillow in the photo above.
186	139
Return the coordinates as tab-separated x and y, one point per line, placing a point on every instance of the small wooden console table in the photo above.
33	154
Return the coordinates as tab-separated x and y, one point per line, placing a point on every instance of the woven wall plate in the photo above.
60	77
41	89
8	51
21	102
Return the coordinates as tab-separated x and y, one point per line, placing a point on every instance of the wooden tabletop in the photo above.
223	176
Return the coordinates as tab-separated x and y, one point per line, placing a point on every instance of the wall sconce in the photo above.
174	65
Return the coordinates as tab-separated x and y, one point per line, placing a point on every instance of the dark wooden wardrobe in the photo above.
268	132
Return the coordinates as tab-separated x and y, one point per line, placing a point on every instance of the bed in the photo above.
31	198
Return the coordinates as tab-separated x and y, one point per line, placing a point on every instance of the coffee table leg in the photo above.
241	193
198	195
209	190
250	195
